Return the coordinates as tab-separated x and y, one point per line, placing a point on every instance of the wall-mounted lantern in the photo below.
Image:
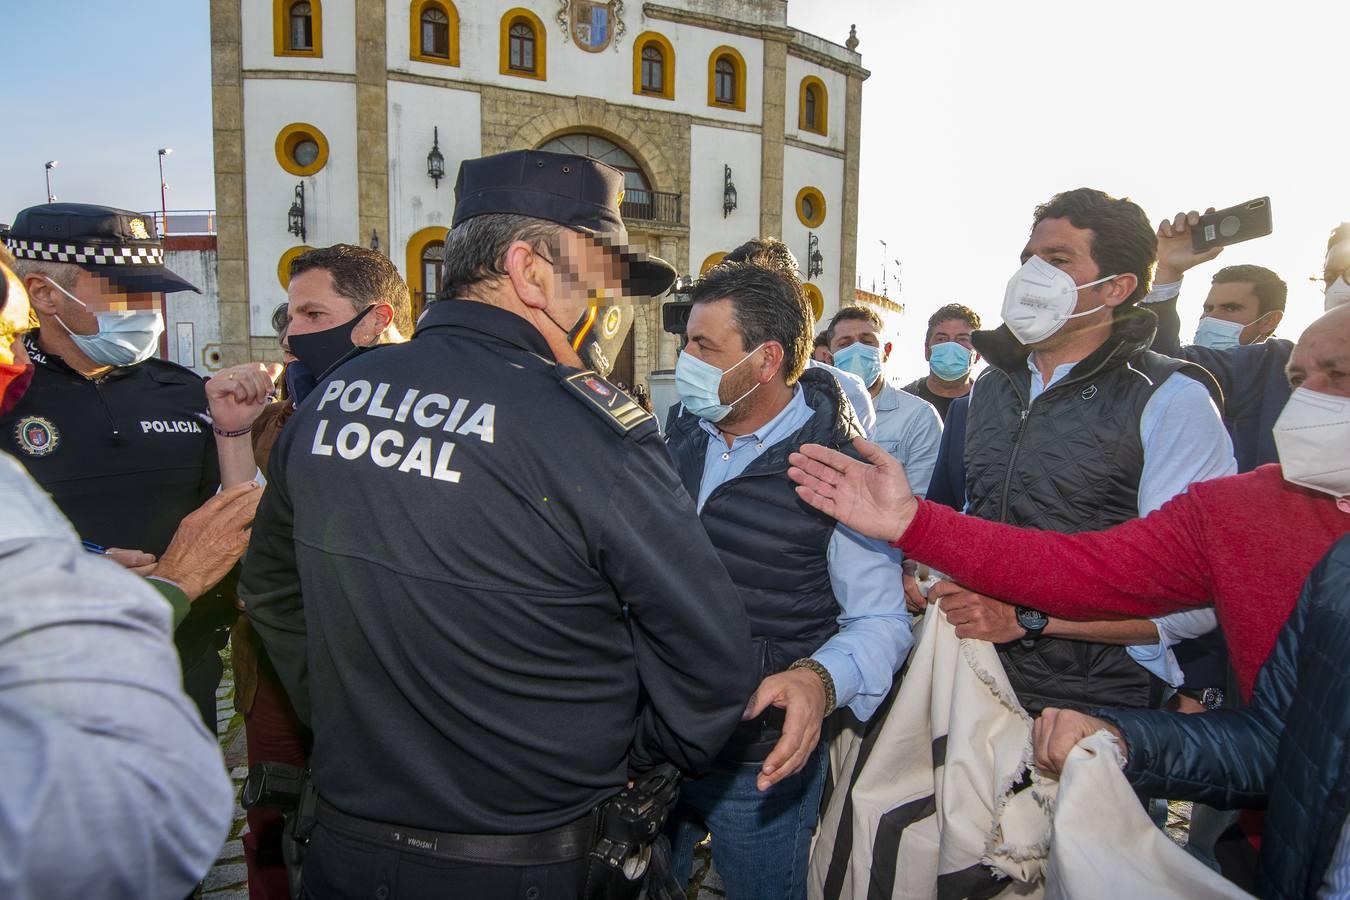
815	263
728	192
435	160
297	214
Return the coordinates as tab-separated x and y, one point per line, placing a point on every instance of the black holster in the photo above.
629	856
291	790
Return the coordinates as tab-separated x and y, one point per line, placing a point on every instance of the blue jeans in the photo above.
761	841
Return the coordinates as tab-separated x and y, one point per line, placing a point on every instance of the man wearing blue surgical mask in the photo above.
120	438
951	357
1233	339
907	428
827	618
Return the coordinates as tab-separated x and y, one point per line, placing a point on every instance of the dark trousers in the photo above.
202	670
274	734
338	867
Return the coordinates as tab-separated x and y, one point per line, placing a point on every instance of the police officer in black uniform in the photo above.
119	438
476	571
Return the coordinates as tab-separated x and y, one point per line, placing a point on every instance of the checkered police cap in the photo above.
117	243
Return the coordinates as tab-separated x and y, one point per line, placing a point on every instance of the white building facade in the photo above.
727	124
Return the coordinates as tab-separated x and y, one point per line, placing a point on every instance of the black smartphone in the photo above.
1232	225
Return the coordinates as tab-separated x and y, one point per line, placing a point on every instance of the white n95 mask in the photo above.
1337	293
1312	436
1040	299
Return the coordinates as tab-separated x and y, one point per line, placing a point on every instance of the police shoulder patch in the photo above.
610	403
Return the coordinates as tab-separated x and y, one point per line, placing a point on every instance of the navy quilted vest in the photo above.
772	543
1069	462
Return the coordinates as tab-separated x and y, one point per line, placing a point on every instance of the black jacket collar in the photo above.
487	319
1131	332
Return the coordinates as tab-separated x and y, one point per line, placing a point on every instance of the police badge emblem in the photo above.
36	436
138	229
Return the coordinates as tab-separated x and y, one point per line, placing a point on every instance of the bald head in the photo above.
1321	358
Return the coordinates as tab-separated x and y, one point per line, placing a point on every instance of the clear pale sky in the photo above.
975	112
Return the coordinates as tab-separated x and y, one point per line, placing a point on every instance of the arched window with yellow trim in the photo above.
653	66
434	32
813	106
426	251
297	28
524	45
726	79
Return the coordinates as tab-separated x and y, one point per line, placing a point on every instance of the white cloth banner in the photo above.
944	803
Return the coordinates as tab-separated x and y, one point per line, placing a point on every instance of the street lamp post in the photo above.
51	164
163	189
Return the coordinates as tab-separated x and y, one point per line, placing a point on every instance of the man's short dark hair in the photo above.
475	249
1123	241
765	251
822	340
856	313
951	311
1268	287
767	305
362	276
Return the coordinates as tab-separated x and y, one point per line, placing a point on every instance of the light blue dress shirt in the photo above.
1184	442
910	429
1336	879
874	634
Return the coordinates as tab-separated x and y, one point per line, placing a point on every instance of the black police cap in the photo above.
578	192
118	244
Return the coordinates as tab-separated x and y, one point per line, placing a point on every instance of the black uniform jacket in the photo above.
484	586
125	456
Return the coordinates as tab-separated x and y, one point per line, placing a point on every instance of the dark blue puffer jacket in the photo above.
1286	752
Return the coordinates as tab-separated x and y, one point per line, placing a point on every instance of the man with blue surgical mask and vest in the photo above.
1234	339
120	438
1077	426
827	618
907	428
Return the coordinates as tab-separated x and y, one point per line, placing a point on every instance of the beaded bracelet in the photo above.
823	674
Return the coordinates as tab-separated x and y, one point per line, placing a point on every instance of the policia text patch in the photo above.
427	455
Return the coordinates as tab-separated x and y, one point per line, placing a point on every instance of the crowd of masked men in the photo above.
498	630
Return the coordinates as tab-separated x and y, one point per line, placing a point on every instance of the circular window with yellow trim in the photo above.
816	299
284	264
712	260
811	207
302	149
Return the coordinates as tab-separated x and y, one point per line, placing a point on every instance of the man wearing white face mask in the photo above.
118	437
1244	543
1076	426
907	428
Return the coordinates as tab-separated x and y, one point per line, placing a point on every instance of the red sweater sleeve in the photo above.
1139	569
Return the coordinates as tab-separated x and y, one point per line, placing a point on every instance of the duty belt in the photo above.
542	848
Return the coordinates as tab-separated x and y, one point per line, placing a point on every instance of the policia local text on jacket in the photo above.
126	456
490	598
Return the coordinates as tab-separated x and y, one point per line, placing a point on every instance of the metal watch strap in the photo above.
823	674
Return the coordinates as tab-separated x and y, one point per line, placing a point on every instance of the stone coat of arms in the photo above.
591	24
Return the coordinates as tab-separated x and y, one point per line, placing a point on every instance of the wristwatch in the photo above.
1033	620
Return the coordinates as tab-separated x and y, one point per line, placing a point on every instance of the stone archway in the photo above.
612	123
